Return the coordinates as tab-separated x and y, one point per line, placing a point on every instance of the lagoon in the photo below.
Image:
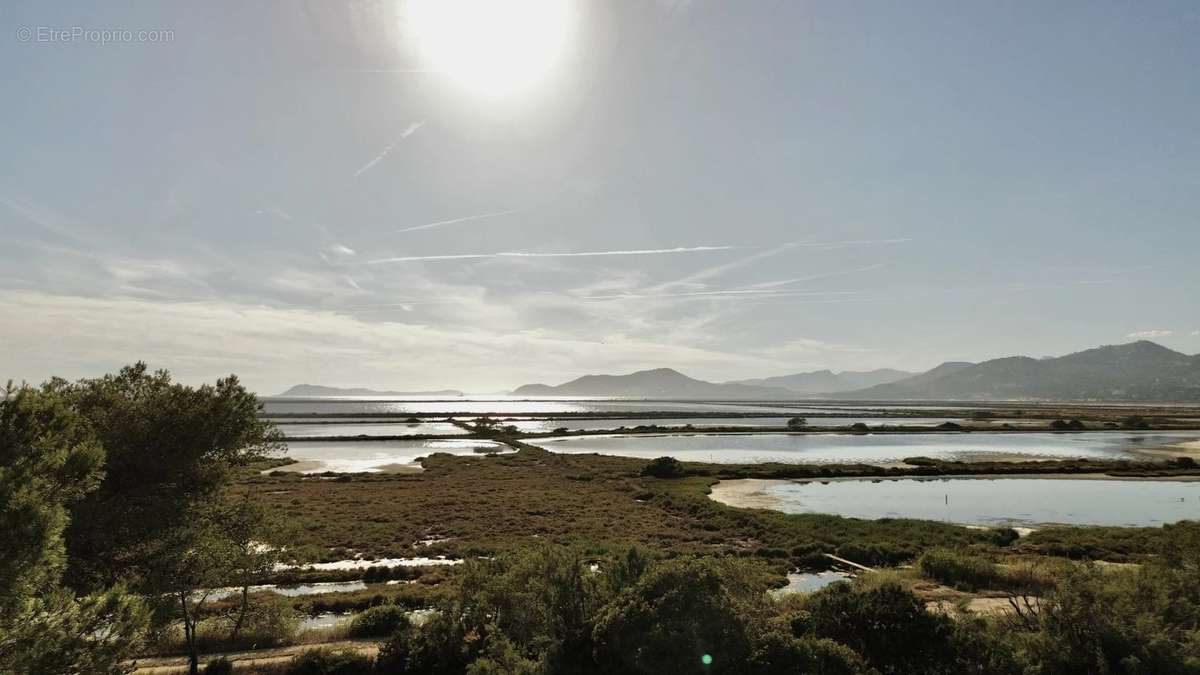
833	448
373	456
370	429
989	502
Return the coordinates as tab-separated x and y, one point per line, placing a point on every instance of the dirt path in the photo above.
259	657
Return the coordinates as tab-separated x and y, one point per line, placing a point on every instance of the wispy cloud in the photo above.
852	242
455	221
815	277
76	336
48	219
409	131
576	254
718	270
1150	334
733	293
274	212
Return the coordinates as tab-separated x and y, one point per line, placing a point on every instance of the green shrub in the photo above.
270	621
219	666
322	662
677	614
664	467
887	626
778	652
379	621
884	554
1003	536
957	569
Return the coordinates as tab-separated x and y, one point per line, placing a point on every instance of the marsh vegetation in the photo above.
144	519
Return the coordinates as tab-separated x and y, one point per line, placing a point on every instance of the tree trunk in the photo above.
189	636
237	625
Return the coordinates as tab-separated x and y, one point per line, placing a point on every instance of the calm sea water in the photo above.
371	429
865	448
356	456
1003	501
549	425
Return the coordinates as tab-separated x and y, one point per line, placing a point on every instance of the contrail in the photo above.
578	254
815	277
720	269
454	221
412	129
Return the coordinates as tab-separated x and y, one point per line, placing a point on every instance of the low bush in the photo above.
379	621
959	570
322	662
219	666
664	467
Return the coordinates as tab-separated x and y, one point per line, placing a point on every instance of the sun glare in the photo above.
491	47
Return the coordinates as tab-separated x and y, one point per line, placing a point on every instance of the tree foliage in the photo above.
49	460
170	452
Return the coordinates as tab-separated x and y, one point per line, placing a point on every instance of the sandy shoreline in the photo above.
747	493
752	493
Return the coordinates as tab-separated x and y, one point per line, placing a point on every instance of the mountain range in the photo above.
828	382
1137	371
656	383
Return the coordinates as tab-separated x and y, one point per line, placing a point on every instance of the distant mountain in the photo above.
657	383
316	390
829	382
1138	371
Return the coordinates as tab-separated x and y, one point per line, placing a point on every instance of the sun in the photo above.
491	47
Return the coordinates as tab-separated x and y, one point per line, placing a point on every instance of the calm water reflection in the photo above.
356	456
866	448
1002	501
370	429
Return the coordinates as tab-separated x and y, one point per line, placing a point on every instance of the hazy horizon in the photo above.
310	192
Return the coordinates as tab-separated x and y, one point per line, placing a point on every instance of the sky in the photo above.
310	192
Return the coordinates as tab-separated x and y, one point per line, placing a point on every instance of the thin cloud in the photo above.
455	221
409	131
718	270
815	277
577	254
1150	334
274	212
853	242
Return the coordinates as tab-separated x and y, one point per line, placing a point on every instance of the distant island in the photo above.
316	390
656	383
1137	371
